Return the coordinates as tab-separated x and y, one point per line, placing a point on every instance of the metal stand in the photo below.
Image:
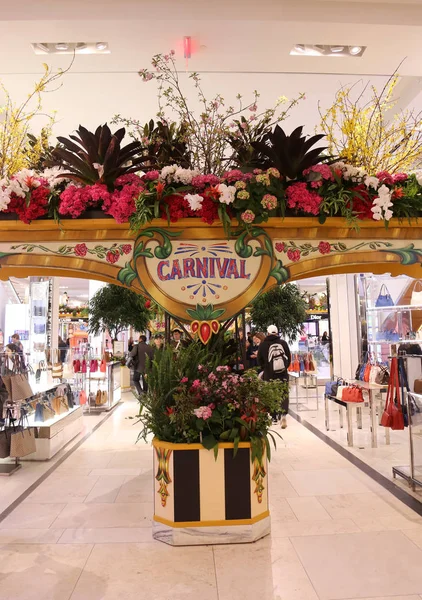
7	469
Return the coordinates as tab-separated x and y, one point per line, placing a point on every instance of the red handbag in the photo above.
103	366
367	372
93	366
392	416
83	366
76	365
353	393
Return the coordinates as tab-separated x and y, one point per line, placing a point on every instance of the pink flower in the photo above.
280	246
200	181
80	249
274	172
75	200
184	380
203	412
151	176
299	197
319	173
324	247
399	177
385	177
196	384
293	255
233	175
269	202
126	248
129	179
253	108
223	368
248	216
112	257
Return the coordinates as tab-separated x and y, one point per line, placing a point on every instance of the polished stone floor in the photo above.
85	532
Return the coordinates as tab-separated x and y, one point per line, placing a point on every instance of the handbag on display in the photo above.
339	394
312	367
384	299
83	366
416	299
93	366
48	412
375	369
82	397
77	366
97	398
367	372
383	376
59	405
20	388
104	397
353	393
103	366
5	443
417	386
22	443
39	413
392	416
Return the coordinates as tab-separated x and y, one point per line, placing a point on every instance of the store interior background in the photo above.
97	87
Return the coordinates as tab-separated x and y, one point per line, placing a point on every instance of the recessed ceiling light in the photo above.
71	48
327	50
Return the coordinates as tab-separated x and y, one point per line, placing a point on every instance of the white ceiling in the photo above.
239	45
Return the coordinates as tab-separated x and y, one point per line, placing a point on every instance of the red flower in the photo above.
80	249
385	177
147	303
362	203
112	257
293	255
280	246
160	189
324	247
37	207
399	177
397	193
126	248
169	410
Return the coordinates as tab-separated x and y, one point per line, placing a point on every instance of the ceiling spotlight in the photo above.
336	49
101	45
355	50
62	46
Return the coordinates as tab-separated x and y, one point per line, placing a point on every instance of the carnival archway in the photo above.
192	270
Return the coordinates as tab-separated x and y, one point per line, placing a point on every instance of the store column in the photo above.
344	325
54	302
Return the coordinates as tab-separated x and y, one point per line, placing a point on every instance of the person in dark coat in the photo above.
140	353
274	364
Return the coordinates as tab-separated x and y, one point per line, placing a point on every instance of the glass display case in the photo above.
393	316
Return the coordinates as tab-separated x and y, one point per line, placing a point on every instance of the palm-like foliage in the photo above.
166	143
290	154
98	157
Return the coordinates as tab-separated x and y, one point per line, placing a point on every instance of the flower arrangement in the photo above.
233	165
192	398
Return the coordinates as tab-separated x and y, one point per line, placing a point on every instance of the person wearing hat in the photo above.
274	358
177	343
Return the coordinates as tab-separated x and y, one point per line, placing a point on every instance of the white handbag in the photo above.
416	299
375	369
340	389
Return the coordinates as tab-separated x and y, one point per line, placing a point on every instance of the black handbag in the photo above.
4	443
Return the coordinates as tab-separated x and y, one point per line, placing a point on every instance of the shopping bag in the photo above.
21	390
22	443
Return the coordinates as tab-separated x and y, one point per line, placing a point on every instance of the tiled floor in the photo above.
382	458
85	532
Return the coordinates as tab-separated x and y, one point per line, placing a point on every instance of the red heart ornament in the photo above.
194	326
205	332
215	326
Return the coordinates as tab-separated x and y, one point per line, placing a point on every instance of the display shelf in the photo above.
402	307
55	433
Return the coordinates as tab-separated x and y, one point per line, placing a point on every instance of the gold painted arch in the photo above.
269	254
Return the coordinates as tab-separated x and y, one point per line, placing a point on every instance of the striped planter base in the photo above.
200	500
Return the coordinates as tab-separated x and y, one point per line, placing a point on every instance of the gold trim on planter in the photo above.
170	446
181	524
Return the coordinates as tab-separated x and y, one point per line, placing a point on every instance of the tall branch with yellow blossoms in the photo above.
368	135
19	148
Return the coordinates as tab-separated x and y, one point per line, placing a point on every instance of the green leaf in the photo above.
236	445
243	249
281	274
209	442
126	275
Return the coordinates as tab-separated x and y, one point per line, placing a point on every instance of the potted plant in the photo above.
211	429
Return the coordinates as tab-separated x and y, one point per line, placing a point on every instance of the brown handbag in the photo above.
59	405
21	390
22	443
417	386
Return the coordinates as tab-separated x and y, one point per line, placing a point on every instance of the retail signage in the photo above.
316	317
203	279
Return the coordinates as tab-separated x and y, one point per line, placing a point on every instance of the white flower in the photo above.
52	176
195	201
168	172
14	187
381	205
418	175
372	182
185	176
227	193
4	197
355	174
27	178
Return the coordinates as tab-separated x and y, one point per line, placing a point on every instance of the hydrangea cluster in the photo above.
300	198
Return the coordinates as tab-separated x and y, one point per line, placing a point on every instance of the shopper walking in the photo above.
17	342
139	354
274	358
252	351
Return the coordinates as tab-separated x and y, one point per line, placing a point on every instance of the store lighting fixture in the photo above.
327	50
71	48
187	46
